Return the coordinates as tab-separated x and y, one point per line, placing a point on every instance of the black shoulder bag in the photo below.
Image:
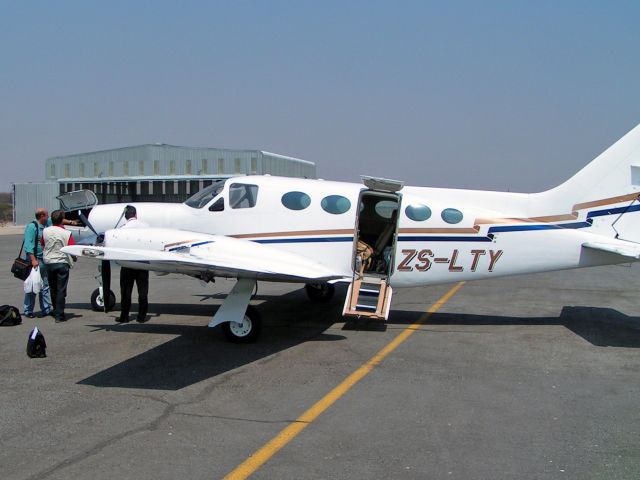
21	268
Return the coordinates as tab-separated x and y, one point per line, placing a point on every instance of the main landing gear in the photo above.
240	322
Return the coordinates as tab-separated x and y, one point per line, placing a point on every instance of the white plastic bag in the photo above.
33	283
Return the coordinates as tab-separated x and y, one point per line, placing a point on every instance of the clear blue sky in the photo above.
494	95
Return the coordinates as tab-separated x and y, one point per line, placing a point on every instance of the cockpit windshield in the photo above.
205	195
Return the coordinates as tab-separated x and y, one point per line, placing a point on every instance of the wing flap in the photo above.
625	249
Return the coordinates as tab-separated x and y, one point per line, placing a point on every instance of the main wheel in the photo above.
245	332
97	302
320	292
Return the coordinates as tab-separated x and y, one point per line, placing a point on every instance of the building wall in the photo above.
29	196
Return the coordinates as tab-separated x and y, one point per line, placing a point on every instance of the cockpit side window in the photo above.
218	206
205	195
242	195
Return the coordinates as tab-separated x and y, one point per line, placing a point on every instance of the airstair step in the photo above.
370	308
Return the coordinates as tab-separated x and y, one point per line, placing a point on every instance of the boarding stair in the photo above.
368	296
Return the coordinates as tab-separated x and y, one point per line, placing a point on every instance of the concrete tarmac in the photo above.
532	377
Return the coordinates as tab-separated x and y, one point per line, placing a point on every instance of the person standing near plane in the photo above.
129	276
57	263
33	251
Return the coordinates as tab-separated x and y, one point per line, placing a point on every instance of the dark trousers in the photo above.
128	277
58	275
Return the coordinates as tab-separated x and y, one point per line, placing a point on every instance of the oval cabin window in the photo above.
335	204
451	215
296	200
418	212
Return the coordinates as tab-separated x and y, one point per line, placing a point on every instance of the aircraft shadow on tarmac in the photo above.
199	353
602	327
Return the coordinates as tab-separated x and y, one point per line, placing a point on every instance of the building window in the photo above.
236	166
67	168
188	166
96	169
203	168
172	167
125	168
140	167
111	169
156	167
254	165
81	169
221	165
52	170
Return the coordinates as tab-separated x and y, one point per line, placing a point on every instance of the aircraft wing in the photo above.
173	251
619	247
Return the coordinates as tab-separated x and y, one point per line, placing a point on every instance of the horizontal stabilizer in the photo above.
625	249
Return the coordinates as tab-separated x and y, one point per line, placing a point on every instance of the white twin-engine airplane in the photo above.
375	236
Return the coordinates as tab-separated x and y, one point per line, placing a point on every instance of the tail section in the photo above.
604	193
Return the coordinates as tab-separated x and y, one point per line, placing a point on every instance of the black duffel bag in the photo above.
9	316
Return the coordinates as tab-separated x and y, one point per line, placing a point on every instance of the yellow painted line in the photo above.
260	457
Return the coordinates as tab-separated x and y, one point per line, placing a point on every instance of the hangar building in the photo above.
146	173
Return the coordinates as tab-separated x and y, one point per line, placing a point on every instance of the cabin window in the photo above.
451	215
296	200
385	208
335	204
242	195
218	206
418	212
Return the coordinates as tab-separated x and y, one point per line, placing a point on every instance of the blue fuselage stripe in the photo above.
413	238
307	240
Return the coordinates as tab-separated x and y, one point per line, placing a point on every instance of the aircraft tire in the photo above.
97	302
246	332
320	292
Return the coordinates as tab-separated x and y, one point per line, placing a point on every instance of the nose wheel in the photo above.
97	300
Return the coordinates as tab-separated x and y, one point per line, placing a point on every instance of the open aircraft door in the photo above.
376	227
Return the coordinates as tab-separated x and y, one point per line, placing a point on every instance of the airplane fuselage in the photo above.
465	235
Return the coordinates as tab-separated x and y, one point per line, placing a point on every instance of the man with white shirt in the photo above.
57	263
129	276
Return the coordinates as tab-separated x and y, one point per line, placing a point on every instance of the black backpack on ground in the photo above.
9	316
36	346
